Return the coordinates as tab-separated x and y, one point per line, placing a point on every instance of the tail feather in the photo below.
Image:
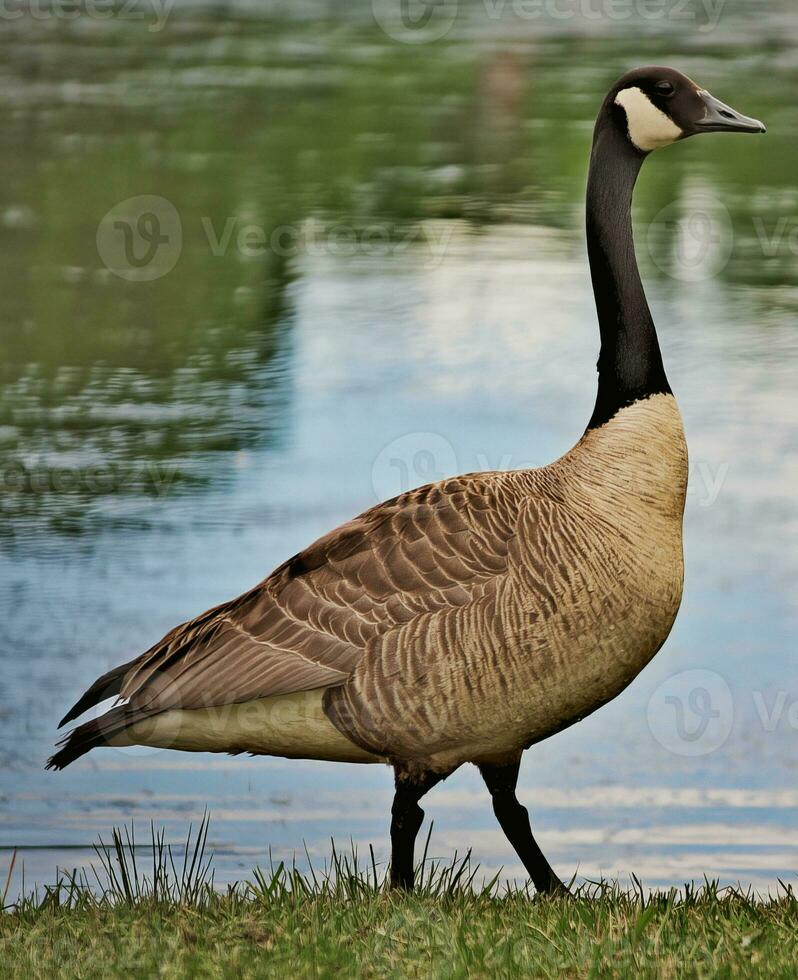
98	731
107	686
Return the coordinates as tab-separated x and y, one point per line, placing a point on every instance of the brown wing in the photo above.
307	625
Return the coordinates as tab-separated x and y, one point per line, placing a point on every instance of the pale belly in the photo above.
290	725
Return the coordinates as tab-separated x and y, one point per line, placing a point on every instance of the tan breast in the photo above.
633	469
622	577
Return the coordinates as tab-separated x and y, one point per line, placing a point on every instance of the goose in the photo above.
466	620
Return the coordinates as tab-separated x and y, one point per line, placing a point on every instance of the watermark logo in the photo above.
780	238
140	239
34	476
154	12
421	21
691	243
691	713
707	479
410	461
314	238
415	21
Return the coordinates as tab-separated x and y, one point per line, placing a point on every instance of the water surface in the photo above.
380	278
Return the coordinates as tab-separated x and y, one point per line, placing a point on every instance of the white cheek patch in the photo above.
649	127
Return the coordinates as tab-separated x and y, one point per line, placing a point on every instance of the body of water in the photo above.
354	265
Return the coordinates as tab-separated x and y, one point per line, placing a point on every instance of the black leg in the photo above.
406	819
514	820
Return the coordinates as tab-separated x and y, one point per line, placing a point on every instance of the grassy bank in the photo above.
380	935
169	921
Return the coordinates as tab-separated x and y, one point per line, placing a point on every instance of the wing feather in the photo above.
308	624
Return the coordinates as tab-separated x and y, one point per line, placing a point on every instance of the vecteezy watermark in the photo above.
140	239
154	12
38	478
778	708
313	237
706	481
422	21
427	457
692	242
691	713
415	21
411	460
778	238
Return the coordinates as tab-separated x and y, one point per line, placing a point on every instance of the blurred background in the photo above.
266	264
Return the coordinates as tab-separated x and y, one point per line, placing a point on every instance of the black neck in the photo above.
630	364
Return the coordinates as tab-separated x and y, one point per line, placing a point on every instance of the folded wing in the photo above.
307	625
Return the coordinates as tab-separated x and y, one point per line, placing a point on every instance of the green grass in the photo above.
121	919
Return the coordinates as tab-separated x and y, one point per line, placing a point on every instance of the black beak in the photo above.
721	118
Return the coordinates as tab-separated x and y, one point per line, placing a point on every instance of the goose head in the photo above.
657	106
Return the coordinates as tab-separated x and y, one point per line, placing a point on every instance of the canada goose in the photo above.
468	619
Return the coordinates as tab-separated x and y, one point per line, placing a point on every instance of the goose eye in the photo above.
664	88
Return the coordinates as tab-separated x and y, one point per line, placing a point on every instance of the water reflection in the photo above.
133	415
376	241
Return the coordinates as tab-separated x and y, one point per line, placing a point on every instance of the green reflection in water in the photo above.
114	389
